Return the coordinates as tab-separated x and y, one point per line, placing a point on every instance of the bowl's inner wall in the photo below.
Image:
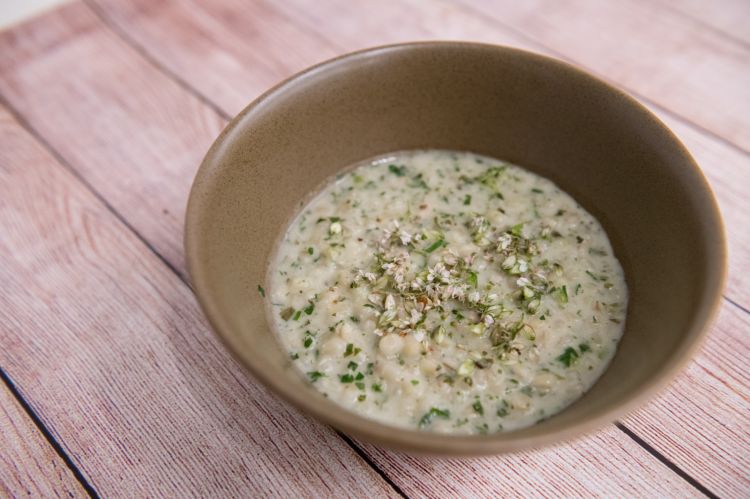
615	160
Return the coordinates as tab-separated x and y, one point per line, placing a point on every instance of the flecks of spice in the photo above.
286	313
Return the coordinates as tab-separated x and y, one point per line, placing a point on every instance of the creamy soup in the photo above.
448	292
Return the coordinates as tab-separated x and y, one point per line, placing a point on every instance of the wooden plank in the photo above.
606	464
114	355
251	58
180	37
138	142
730	17
357	26
29	466
678	63
709	404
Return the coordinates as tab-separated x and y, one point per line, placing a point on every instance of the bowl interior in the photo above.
608	152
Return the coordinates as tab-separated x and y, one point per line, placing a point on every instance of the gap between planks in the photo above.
46	433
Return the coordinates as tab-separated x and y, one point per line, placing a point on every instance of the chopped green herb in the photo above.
297	315
261	291
346	378
359	376
418	181
415	382
362	397
352	365
467	200
437	244
596	251
308	339
477	406
433	413
584	347
295	356
568	357
310	250
596	277
377	388
353	318
315	375
517	230
537	191
578	289
351	350
561	294
473	278
503	409
309	309
359	385
399	171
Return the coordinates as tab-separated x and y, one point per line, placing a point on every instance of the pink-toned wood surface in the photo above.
29	465
115	103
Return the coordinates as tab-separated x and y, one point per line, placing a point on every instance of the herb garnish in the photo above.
437	244
568	357
399	171
433	413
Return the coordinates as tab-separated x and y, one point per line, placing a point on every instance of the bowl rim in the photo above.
421	442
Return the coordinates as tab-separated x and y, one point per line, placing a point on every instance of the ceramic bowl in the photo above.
610	153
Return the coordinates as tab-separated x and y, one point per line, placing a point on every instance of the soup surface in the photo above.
448	292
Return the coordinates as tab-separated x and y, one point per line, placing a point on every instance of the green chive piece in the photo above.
477	406
315	375
433	413
287	313
261	291
399	171
437	244
568	357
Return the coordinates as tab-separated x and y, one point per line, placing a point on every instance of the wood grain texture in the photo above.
111	350
728	17
29	466
648	49
137	137
709	404
564	471
182	35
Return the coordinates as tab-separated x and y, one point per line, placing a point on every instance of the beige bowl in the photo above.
598	144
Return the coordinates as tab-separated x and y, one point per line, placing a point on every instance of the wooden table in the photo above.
113	383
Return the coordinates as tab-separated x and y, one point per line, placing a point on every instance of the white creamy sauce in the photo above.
449	292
